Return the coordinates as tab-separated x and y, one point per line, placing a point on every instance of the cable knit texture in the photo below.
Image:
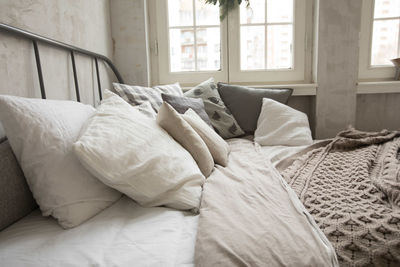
351	185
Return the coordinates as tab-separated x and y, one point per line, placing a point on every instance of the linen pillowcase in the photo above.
41	134
279	124
136	95
130	152
219	149
185	135
221	118
182	104
146	109
245	102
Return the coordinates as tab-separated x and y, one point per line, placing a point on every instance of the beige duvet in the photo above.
250	217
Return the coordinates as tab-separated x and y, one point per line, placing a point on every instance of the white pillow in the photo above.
279	124
41	134
131	153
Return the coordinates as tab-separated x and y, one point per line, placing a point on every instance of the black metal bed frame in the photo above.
35	38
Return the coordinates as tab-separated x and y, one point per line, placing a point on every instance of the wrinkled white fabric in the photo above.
130	152
125	234
279	124
41	134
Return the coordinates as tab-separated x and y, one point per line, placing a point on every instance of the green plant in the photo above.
226	5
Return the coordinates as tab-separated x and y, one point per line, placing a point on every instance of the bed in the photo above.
249	215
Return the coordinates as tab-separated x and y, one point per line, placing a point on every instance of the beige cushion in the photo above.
130	152
219	149
169	119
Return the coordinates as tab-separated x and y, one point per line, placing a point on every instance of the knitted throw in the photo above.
351	186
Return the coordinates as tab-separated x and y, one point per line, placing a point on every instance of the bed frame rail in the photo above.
35	38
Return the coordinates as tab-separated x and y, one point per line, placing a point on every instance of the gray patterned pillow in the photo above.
182	104
137	95
221	118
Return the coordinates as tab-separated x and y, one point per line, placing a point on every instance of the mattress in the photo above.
125	234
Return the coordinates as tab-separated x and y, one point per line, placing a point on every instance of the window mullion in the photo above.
398	42
266	36
195	36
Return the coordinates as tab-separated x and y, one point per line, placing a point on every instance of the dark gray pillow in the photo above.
181	104
16	200
221	118
245	102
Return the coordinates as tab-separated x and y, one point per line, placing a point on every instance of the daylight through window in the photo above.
266	35
385	33
194	36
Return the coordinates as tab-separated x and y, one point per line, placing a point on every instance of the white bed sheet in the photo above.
122	235
278	153
125	234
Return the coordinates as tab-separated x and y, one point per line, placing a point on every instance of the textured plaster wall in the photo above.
337	65
85	24
378	111
129	33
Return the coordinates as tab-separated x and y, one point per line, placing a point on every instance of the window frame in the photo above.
230	55
297	73
185	77
366	71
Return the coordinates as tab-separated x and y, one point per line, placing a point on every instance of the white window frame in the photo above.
230	56
296	73
186	77
366	71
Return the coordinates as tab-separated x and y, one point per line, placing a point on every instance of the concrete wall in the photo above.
129	33
84	24
337	65
378	111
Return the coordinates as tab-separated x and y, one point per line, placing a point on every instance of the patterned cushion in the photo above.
182	104
136	95
16	200
221	117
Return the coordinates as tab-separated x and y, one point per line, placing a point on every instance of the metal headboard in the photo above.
35	38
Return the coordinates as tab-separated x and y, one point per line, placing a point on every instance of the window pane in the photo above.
385	40
206	14
255	13
279	11
208	49
387	8
181	50
252	47
279	46
180	13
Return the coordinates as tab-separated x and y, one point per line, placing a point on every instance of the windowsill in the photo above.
298	89
378	87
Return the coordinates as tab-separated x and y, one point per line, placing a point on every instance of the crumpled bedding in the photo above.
249	216
351	186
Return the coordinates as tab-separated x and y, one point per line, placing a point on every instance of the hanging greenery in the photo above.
226	5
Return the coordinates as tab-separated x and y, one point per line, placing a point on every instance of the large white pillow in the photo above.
41	134
279	124
130	152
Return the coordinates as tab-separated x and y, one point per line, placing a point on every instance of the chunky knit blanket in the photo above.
351	186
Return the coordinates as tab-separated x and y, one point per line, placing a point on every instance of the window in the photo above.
261	44
193	28
380	31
